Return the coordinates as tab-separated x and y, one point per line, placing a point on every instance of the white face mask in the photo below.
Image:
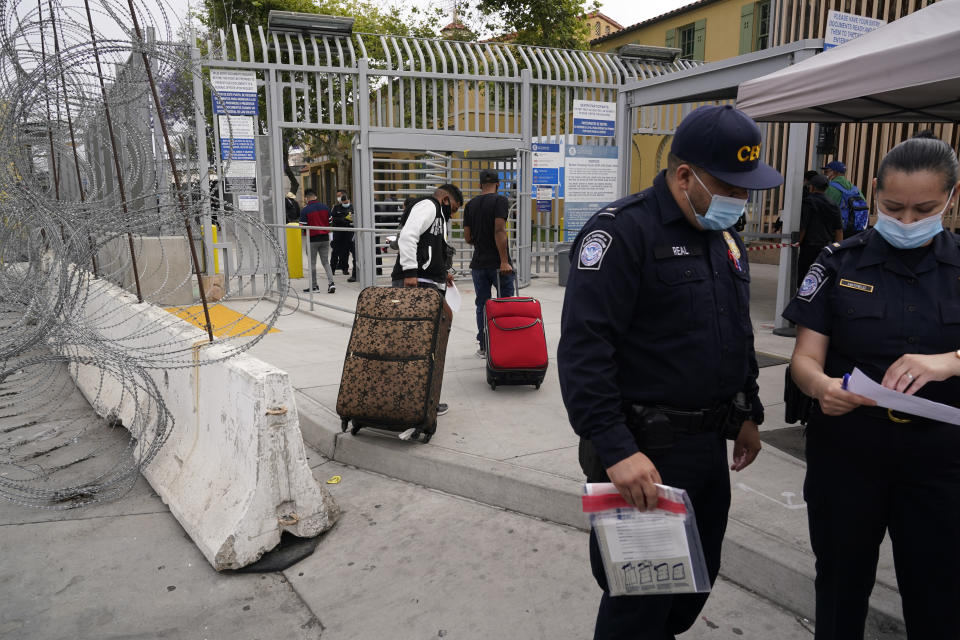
910	235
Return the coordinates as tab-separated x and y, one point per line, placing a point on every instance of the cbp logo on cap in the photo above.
748	153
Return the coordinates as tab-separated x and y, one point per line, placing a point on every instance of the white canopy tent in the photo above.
905	71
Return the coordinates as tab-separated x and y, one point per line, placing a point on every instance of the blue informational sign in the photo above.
235	103
238	149
544	206
592	118
590	127
591	184
548	165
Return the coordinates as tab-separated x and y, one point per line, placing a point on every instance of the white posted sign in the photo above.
843	27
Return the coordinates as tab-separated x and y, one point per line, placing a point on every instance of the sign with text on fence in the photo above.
234	92
591	184
547	162
544	198
843	27
593	118
240	177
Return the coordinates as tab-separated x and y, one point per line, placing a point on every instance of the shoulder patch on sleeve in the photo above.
592	249
612	209
812	282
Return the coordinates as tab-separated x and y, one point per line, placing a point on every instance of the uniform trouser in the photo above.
808	255
341	248
321	249
698	464
866	475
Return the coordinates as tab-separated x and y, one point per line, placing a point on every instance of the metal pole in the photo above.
275	113
73	140
363	172
524	188
625	124
53	173
113	146
203	161
793	192
173	168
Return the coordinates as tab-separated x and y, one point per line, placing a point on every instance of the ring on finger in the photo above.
909	375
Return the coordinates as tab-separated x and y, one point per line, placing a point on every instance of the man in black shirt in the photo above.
485	227
820	224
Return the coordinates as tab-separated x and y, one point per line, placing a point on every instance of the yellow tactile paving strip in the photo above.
227	323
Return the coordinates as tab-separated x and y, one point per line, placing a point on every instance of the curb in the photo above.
751	558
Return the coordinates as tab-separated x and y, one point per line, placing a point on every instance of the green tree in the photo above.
548	23
369	17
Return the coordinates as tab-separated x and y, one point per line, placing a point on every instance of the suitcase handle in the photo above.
526	326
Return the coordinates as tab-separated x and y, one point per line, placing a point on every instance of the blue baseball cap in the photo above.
837	166
726	143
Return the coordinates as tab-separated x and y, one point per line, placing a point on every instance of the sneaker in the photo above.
442	408
481	353
332	288
352	279
313	288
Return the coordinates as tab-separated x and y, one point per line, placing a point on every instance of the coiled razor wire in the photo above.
100	190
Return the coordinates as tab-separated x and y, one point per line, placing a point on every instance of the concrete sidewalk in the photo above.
514	448
404	562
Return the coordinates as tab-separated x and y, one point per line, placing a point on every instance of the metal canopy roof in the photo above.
717	80
906	71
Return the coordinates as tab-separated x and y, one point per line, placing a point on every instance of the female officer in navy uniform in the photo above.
886	301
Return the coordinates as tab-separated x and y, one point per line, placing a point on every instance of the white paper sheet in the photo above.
861	384
453	297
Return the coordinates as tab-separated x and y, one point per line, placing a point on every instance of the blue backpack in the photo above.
854	210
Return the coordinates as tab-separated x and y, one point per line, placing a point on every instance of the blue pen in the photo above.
846	379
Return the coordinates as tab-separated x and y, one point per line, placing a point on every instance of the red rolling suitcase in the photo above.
516	344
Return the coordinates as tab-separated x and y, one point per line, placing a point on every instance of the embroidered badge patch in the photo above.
859	286
812	283
593	248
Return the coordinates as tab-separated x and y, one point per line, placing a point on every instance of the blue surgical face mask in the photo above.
910	235
723	211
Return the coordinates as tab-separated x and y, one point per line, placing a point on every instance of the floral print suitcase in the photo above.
393	369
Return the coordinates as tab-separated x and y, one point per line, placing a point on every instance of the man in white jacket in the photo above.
422	243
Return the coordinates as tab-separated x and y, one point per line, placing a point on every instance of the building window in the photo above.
597	29
606	31
685	41
763	25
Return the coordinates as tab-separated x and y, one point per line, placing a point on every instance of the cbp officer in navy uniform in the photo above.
886	301
656	356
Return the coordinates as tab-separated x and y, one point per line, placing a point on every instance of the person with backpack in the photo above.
854	210
820	224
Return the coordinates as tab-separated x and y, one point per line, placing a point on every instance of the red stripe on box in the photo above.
607	501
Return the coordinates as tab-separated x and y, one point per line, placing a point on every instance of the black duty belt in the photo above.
889	415
692	422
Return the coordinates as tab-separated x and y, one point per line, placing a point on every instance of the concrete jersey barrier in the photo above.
234	470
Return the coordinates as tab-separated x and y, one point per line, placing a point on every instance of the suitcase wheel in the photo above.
537	386
493	385
355	429
344	423
426	438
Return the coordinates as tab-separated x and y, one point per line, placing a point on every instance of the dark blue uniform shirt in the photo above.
876	305
656	312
